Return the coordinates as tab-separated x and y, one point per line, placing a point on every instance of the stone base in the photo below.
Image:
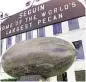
32	78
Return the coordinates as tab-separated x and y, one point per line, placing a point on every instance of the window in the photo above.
62	77
41	32
29	35
80	75
9	42
57	28
79	48
18	38
73	24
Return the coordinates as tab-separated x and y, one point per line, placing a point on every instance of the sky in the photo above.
15	6
12	6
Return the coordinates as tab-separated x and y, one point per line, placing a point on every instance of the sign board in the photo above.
48	13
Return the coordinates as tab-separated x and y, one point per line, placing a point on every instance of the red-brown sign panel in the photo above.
51	12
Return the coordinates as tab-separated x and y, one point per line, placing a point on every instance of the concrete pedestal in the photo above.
32	78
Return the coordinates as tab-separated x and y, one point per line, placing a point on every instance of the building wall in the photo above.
73	31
